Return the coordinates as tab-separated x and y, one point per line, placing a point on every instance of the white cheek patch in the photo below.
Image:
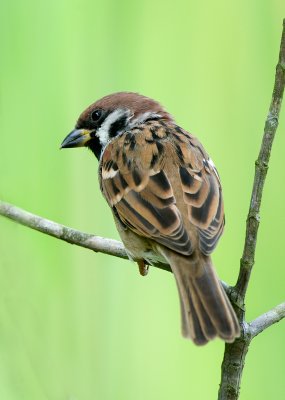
103	131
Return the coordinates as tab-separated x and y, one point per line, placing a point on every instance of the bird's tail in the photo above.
205	308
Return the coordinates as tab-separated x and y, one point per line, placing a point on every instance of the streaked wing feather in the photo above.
141	192
203	195
134	181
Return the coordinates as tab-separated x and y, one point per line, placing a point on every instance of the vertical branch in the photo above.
235	353
232	367
261	168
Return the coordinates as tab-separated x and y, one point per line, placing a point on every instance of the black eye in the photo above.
95	115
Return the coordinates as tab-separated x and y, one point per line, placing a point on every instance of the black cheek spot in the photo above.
117	126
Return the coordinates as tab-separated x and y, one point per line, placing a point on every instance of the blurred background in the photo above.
76	325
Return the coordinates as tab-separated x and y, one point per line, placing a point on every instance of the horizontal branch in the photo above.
266	320
72	236
113	248
92	242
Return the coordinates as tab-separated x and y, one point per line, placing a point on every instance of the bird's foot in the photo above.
143	267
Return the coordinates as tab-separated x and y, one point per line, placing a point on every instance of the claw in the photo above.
143	267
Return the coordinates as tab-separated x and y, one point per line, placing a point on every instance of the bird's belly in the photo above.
150	256
139	247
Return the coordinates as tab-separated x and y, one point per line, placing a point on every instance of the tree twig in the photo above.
267	319
96	243
261	168
235	353
70	235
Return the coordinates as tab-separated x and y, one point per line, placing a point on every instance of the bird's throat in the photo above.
95	146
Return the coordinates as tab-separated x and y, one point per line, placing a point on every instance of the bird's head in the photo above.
110	116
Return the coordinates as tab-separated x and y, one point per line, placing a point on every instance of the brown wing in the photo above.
135	183
205	208
202	191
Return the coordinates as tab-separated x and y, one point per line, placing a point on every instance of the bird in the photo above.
166	198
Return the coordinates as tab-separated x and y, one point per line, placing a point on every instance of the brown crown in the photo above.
135	102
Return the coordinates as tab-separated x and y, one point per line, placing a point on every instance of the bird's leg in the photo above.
143	267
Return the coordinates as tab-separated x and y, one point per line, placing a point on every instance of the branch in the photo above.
235	353
266	320
96	243
261	168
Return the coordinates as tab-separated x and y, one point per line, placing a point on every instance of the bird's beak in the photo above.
76	138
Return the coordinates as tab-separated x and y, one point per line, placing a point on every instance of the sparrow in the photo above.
166	198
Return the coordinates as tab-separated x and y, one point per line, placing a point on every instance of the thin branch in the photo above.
267	319
96	243
235	353
261	168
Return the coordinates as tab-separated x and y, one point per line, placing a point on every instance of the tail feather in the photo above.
191	325
207	326
215	302
205	308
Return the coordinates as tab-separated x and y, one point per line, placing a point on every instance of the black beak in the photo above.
76	138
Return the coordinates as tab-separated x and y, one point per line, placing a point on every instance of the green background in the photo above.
76	325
